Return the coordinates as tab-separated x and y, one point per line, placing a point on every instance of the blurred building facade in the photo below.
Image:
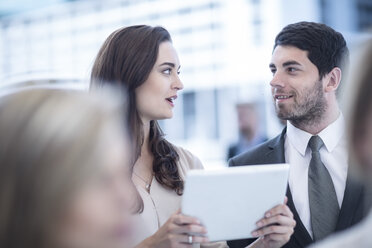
224	48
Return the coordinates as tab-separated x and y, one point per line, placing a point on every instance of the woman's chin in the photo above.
165	116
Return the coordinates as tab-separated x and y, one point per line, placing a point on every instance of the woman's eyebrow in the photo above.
168	63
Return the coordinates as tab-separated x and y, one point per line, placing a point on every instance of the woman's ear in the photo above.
333	80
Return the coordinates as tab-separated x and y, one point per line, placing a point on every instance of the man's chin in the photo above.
283	114
284	118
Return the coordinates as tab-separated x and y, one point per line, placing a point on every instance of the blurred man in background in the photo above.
249	133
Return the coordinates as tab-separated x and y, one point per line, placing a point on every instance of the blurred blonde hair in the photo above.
358	104
51	140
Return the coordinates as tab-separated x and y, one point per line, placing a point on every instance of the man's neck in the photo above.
315	127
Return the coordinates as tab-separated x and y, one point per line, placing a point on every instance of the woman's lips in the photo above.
170	100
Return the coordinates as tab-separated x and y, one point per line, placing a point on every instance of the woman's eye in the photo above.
167	71
178	72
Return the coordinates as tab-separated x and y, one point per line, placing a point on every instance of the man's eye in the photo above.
178	72
273	70
292	69
167	71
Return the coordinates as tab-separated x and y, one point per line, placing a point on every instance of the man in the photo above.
249	133
306	64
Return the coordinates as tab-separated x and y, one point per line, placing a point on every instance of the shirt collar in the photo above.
331	135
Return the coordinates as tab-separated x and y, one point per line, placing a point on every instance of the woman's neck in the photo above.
144	162
145	149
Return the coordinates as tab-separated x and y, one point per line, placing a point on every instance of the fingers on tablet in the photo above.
273	229
180	219
192	229
281	209
276	220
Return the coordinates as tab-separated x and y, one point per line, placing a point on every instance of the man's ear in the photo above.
333	80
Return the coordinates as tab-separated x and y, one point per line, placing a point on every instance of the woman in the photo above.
360	145
142	60
60	186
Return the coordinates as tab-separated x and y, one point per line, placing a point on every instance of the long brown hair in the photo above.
126	59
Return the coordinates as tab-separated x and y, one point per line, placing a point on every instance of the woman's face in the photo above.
156	96
99	214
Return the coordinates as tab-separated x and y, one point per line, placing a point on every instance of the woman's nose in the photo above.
177	84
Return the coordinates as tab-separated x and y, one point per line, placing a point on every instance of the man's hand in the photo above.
276	228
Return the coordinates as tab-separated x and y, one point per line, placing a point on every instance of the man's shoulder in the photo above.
256	155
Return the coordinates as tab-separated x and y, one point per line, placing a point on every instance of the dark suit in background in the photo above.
354	207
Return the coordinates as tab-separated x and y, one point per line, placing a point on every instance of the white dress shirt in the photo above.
333	155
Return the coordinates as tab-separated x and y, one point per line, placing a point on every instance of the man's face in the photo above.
296	88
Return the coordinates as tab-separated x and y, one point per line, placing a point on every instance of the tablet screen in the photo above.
230	201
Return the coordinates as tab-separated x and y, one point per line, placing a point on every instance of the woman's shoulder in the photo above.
187	160
357	236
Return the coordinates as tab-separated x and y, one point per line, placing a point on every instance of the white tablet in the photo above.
230	201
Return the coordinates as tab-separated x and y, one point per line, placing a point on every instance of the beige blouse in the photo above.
161	202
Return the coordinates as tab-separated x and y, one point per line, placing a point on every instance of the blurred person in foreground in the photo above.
249	133
307	64
360	147
142	60
64	174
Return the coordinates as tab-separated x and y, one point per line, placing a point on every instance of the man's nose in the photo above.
277	81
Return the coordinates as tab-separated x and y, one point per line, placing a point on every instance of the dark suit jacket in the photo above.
354	206
234	149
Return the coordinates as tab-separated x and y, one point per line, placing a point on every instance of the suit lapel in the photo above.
276	155
275	152
301	236
352	198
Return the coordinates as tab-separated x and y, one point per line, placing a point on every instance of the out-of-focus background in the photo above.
224	47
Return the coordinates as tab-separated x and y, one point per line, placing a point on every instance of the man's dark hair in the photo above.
326	47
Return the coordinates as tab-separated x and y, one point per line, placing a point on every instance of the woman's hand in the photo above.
176	233
276	228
